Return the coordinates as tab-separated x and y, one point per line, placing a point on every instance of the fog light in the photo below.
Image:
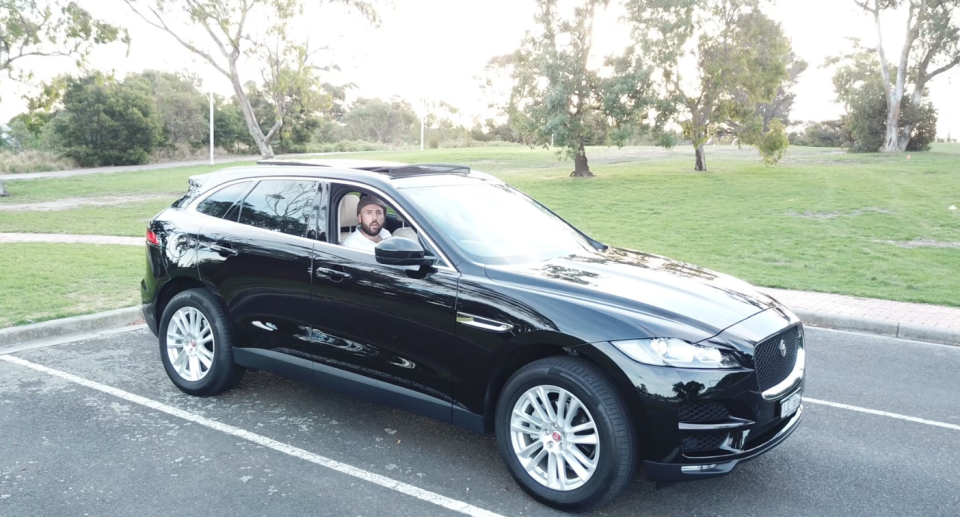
697	468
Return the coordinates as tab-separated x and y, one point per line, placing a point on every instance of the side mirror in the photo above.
400	251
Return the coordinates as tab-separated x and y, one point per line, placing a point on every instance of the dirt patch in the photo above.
77	202
832	215
922	243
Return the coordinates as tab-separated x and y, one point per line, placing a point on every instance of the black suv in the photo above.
479	307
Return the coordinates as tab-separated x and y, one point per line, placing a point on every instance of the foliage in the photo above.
773	143
290	78
182	109
33	161
860	89
829	133
557	97
931	46
107	122
376	120
716	60
32	28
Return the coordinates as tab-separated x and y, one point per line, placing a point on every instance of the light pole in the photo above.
211	127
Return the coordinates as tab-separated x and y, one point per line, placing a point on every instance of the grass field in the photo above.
47	281
823	220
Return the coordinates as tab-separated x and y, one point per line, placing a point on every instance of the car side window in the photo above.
280	205
219	202
344	218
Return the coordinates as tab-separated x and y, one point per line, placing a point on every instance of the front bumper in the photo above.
713	466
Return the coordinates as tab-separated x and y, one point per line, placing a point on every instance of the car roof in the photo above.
373	172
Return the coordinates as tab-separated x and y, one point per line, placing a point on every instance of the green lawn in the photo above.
823	220
47	281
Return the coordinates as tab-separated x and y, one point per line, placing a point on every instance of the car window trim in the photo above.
192	207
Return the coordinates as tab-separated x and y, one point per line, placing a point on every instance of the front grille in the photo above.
702	442
772	367
702	411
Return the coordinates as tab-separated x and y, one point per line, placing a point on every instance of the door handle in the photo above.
333	274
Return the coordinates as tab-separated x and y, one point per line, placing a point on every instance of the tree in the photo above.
32	28
556	94
861	90
716	60
106	122
181	107
376	120
231	28
931	47
29	28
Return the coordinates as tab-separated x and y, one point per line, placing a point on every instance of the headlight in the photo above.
676	352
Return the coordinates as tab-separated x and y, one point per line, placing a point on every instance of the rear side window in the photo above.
281	205
219	202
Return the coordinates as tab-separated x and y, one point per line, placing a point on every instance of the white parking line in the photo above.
883	413
343	468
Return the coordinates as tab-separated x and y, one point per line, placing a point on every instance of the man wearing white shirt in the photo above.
371	214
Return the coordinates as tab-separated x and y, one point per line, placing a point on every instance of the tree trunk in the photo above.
3	191
891	141
904	137
249	116
581	169
701	165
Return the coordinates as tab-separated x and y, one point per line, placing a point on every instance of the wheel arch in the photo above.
170	289
550	346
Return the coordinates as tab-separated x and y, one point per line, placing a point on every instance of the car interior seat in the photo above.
348	215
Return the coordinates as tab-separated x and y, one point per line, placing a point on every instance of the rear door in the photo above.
258	257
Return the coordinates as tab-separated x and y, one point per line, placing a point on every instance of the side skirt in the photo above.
356	385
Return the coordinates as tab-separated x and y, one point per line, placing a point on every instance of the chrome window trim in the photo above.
192	207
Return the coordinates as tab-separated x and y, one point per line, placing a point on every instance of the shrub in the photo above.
33	161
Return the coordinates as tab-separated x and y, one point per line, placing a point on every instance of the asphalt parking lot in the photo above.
95	427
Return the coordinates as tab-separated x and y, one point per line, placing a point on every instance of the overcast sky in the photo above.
435	49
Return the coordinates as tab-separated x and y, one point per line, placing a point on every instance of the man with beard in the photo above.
371	213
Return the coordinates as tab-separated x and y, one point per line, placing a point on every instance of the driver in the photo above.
371	213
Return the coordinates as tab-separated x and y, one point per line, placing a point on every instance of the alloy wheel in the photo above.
190	344
555	438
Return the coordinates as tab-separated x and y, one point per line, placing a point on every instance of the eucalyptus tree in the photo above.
258	29
558	90
931	46
32	28
714	61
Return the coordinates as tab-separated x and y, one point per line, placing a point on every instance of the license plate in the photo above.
789	405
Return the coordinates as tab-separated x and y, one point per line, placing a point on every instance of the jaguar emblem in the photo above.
783	348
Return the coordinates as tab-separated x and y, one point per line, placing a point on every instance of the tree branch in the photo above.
163	26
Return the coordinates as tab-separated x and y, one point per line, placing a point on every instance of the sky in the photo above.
436	50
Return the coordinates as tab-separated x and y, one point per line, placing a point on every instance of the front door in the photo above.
389	323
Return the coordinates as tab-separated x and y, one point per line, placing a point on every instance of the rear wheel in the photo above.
196	344
565	434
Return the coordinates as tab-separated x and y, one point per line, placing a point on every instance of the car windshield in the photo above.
494	224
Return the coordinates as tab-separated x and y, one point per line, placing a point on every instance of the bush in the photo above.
33	161
343	146
773	144
105	122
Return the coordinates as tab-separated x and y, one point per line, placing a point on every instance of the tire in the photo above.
196	344
614	457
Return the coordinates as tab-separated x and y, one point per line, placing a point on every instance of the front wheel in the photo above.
565	434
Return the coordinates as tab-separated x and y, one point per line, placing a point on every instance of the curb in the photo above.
68	326
879	327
